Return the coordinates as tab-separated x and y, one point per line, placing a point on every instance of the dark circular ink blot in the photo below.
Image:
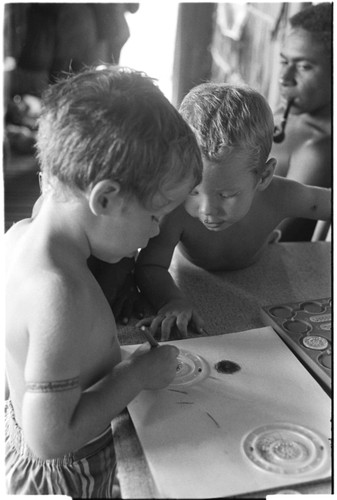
226	366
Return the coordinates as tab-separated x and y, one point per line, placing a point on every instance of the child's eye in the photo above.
156	219
194	192
224	195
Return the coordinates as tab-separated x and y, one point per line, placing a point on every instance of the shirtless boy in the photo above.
305	155
229	218
115	158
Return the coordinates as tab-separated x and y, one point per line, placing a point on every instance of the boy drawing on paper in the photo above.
115	158
229	218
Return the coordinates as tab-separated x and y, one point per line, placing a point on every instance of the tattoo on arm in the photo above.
59	385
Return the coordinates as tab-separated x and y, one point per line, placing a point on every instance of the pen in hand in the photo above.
152	341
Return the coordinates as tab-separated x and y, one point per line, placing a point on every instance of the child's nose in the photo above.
207	207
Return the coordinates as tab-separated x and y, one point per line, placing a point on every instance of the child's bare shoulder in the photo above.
38	278
295	199
15	232
280	195
277	189
282	186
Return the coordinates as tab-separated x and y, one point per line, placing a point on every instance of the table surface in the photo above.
229	302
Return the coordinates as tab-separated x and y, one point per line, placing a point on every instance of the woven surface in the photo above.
230	302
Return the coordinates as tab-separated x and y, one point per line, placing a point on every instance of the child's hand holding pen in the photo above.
148	336
157	365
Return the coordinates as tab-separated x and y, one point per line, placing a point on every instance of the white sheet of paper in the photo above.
192	435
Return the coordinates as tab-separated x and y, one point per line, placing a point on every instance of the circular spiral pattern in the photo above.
191	368
285	448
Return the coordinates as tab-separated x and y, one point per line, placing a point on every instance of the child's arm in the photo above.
300	200
156	283
119	287
58	414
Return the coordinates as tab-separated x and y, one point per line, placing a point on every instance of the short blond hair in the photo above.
228	117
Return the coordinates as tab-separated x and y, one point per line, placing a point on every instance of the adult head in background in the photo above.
305	77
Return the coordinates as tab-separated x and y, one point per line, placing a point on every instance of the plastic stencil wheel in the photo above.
285	448
191	369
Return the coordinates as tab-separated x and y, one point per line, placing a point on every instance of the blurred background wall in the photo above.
230	42
179	44
182	44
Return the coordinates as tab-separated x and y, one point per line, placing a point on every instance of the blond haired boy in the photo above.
229	218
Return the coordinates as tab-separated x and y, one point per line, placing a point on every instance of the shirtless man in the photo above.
229	218
305	155
115	158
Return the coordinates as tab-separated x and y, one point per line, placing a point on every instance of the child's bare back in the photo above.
104	190
54	275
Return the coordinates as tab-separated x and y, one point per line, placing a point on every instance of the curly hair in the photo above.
114	123
317	19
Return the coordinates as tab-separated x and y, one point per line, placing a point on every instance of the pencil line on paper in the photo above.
177	390
212	418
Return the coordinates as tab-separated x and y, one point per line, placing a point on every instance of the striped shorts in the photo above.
86	473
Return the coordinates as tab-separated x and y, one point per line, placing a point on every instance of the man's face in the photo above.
305	73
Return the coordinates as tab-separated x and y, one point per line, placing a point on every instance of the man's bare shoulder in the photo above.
311	162
318	145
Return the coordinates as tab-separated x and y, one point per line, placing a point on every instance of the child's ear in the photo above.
103	197
267	174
